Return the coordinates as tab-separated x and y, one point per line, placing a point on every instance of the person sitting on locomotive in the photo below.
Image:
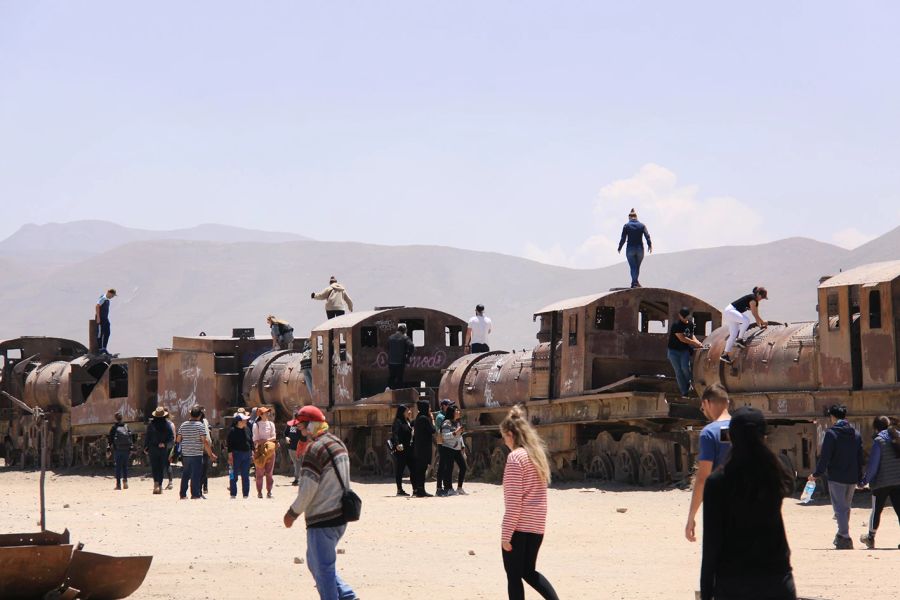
681	345
452	448
282	333
401	446
737	321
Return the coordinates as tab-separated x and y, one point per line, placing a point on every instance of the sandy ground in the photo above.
436	548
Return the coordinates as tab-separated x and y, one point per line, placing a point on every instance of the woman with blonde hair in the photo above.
282	333
525	481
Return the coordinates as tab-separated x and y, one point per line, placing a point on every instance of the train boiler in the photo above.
598	386
794	371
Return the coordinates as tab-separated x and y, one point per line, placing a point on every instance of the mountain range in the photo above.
214	278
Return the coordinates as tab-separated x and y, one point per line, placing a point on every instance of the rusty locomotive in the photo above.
597	383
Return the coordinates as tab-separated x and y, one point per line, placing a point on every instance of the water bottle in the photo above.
808	490
230	473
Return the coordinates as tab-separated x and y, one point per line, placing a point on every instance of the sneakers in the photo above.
450	492
423	494
726	359
842	543
440	493
868	539
125	484
461	492
259	494
740	343
269	495
169	487
402	493
118	486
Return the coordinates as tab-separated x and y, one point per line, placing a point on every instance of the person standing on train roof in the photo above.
337	300
478	331
282	333
633	232
681	344
715	445
400	348
101	316
737	321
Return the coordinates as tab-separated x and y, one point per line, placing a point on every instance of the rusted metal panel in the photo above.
866	274
101	577
28	572
453	383
136	399
41	538
186	378
276	379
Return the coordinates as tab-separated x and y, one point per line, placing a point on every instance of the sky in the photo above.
527	128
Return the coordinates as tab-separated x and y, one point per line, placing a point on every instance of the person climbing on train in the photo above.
525	480
282	333
239	455
452	445
400	348
438	420
101	316
337	300
423	434
401	447
477	332
882	475
681	345
714	448
156	445
264	446
634	233
841	461
745	550
120	443
736	319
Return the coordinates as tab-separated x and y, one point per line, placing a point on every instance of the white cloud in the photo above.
676	216
851	238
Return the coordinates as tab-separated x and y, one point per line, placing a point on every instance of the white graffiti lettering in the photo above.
416	361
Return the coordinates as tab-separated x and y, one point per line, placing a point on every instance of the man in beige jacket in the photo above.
337	300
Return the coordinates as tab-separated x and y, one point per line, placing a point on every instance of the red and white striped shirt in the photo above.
524	496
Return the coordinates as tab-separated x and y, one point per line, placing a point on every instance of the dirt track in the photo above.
420	548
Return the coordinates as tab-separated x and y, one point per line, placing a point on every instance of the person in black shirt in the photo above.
401	442
293	435
737	321
745	551
239	455
681	344
156	445
423	436
400	348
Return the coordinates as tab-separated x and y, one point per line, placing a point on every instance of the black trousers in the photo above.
478	348
879	501
159	460
103	333
333	313
395	376
418	474
404	461
449	456
520	565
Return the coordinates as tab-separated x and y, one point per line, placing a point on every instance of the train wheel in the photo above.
628	466
601	467
653	468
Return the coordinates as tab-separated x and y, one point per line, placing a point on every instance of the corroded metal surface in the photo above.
100	577
29	572
276	379
453	383
42	538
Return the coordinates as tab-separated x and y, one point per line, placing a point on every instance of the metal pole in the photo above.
43	472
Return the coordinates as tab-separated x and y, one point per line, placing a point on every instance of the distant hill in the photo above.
177	287
66	242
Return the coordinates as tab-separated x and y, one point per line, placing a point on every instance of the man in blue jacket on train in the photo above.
633	232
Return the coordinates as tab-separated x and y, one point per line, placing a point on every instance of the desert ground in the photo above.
435	548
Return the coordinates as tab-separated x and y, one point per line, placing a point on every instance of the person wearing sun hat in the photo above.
264	446
156	445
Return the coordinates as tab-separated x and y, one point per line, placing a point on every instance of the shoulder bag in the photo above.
351	504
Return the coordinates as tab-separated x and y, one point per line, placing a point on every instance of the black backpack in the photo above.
122	440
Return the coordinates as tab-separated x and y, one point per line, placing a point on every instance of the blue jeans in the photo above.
191	470
635	255
681	362
121	458
103	332
241	467
841	499
321	558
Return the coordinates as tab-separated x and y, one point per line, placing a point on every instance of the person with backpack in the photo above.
452	452
337	300
156	445
324	479
882	475
282	333
120	442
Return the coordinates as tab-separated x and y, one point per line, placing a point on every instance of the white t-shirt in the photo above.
481	327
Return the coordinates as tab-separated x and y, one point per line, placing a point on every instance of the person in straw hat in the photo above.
264	446
156	445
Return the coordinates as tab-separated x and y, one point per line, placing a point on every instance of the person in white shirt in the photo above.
478	331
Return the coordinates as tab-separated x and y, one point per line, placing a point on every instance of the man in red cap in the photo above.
324	474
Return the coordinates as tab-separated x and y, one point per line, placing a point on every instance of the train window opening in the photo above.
875	309
702	323
606	318
369	337
225	364
453	336
320	348
14	355
342	348
415	329
832	307
854	300
118	381
573	329
653	317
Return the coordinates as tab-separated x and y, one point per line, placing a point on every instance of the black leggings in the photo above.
448	457
519	564
159	459
879	500
403	461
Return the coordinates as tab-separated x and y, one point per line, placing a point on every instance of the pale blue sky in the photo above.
527	128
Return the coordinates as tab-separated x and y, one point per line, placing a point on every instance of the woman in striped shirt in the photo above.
525	480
